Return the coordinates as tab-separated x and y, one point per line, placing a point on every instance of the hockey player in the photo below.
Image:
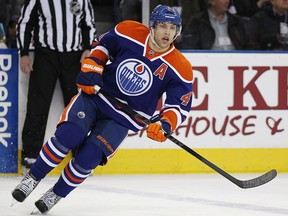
144	64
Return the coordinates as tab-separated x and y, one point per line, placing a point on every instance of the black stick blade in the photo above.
263	179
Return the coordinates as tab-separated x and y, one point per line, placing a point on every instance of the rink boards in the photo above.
238	121
177	161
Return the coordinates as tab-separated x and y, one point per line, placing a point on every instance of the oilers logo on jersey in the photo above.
133	77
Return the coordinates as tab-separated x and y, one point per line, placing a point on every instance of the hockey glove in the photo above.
90	75
158	129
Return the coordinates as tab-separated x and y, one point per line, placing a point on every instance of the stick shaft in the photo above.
242	184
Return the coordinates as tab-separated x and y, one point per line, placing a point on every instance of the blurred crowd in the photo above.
207	24
237	25
9	15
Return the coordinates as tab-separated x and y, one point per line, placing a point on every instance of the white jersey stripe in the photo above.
46	160
122	113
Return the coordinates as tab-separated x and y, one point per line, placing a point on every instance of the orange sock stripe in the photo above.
47	151
70	176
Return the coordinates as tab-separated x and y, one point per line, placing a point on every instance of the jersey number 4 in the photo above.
186	98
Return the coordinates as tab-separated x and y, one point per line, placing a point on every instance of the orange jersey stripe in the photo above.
99	55
66	110
95	43
171	117
181	64
139	32
134	30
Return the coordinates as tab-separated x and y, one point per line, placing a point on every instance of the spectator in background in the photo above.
11	33
4	12
2	37
3	23
131	10
268	29
117	11
246	8
63	31
215	29
262	3
9	9
171	3
190	8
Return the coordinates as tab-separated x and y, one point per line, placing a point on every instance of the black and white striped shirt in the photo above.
61	25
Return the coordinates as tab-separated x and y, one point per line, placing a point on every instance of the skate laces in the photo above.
28	184
50	198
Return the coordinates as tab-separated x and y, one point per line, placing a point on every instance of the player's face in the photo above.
164	34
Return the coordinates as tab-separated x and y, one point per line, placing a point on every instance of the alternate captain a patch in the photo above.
133	77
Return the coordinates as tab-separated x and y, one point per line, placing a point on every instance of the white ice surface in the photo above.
156	195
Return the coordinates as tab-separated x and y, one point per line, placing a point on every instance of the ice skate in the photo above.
26	186
47	201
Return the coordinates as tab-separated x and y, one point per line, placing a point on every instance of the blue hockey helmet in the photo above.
164	13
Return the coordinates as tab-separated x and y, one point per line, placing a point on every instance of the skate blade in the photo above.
14	201
35	212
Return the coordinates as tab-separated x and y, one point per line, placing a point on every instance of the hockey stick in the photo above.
263	179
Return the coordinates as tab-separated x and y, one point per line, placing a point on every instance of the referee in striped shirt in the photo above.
61	32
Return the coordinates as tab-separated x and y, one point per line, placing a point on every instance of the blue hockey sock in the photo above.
51	154
78	169
72	176
67	136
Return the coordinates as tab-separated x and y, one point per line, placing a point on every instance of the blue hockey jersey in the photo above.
139	76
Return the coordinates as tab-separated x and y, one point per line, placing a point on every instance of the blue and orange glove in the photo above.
90	75
158	128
